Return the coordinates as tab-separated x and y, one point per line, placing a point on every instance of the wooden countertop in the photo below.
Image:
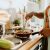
31	43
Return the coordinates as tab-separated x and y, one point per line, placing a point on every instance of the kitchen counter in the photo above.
34	40
26	44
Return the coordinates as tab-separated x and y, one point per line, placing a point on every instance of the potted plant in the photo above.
16	22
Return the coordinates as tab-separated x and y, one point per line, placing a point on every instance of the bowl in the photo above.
23	33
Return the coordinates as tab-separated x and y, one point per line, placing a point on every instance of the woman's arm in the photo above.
38	15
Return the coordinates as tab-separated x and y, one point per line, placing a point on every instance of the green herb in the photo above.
17	22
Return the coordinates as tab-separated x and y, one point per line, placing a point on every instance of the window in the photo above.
33	0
